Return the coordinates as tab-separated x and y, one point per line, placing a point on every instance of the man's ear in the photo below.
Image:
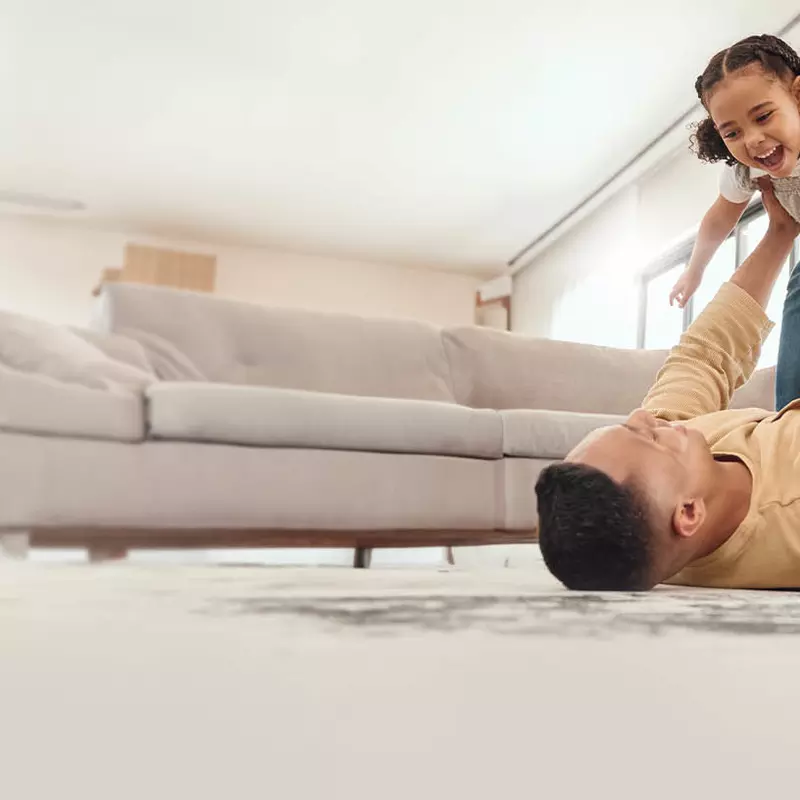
689	516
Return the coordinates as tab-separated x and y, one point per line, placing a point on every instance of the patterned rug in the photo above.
395	602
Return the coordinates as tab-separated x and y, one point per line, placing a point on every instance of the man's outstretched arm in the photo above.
719	351
758	273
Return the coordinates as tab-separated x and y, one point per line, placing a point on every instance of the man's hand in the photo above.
685	287
779	217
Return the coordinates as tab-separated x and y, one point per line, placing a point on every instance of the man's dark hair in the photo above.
772	54
594	533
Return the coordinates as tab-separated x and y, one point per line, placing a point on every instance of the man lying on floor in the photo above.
686	491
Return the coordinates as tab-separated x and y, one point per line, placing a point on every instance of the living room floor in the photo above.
198	680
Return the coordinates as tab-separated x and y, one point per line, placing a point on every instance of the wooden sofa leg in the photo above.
98	553
15	544
362	558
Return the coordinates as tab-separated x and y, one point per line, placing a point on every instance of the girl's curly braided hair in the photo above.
774	56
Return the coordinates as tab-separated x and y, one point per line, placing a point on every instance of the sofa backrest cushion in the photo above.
758	392
228	341
493	369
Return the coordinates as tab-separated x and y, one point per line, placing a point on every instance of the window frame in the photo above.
681	252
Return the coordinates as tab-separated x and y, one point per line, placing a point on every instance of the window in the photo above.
661	325
719	270
751	233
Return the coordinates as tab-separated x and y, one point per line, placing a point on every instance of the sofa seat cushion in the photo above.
38	404
531	433
270	417
163	487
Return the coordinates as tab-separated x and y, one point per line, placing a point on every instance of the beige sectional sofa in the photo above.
186	420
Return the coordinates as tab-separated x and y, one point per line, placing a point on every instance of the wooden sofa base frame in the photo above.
110	543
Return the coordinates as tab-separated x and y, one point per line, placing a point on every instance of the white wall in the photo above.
584	287
672	201
49	267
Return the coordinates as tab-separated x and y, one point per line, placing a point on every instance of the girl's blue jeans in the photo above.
787	374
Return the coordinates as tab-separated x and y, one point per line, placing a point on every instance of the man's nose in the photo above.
642	417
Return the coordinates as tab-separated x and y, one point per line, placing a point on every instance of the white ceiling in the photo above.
443	133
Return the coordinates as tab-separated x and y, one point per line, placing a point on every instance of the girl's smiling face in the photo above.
758	117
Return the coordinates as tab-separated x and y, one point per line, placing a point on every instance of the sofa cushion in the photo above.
494	369
167	361
118	348
758	392
519	476
38	404
164	486
33	346
240	343
262	416
529	433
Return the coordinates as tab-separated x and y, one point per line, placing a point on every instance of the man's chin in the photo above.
698	443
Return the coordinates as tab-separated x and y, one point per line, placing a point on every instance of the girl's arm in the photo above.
715	228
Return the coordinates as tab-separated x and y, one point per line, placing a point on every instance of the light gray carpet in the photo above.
168	681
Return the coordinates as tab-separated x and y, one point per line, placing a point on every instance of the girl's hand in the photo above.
779	217
685	287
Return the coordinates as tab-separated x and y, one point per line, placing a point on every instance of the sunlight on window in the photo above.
752	233
720	269
663	323
598	310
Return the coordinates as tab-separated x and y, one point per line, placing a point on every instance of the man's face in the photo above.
667	461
